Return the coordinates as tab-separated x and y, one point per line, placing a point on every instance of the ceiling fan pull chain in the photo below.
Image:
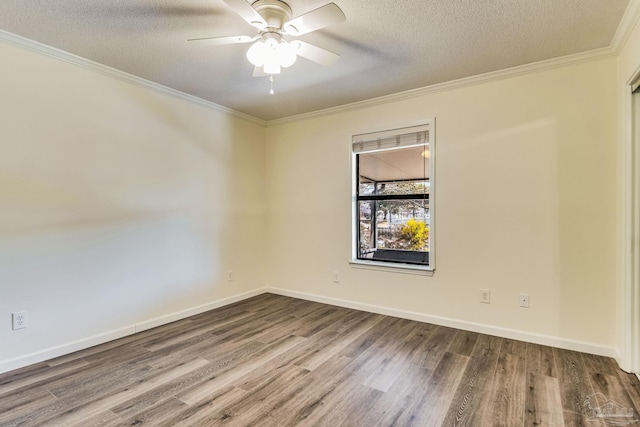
271	80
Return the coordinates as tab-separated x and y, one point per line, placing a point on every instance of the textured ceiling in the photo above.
385	46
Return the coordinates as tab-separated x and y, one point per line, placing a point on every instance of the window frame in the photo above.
385	265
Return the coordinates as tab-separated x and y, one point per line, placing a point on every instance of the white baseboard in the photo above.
81	344
61	350
178	315
52	352
567	344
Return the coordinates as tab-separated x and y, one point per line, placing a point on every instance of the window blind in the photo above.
396	138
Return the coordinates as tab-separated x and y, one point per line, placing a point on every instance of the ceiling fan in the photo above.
272	18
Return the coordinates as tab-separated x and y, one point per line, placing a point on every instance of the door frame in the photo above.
631	230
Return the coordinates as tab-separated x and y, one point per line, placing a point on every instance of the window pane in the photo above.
395	165
394	230
365	187
397	187
366	243
402	224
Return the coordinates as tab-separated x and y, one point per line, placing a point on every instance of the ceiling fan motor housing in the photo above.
274	12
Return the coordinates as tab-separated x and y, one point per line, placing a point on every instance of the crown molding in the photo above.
506	73
40	48
629	20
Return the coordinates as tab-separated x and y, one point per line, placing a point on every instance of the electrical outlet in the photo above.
524	300
230	276
19	320
336	277
485	296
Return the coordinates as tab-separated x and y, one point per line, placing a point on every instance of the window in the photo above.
393	200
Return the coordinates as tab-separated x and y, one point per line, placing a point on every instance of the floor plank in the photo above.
575	384
543	404
463	343
506	403
540	360
431	407
474	392
401	396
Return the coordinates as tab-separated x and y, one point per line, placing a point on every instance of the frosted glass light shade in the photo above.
257	53
272	55
286	54
271	68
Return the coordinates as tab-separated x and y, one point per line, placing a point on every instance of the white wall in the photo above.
525	202
118	205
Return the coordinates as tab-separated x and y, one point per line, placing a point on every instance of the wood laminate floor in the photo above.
279	361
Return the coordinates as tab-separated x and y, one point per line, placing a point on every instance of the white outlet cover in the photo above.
19	320
485	296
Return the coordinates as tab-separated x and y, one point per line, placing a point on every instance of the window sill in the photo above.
420	270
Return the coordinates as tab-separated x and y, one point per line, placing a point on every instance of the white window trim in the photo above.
426	270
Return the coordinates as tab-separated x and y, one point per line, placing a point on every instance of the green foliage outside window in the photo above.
417	232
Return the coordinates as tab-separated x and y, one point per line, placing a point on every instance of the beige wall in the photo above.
118	204
525	202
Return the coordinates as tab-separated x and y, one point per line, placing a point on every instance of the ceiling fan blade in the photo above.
315	53
247	12
214	41
319	18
